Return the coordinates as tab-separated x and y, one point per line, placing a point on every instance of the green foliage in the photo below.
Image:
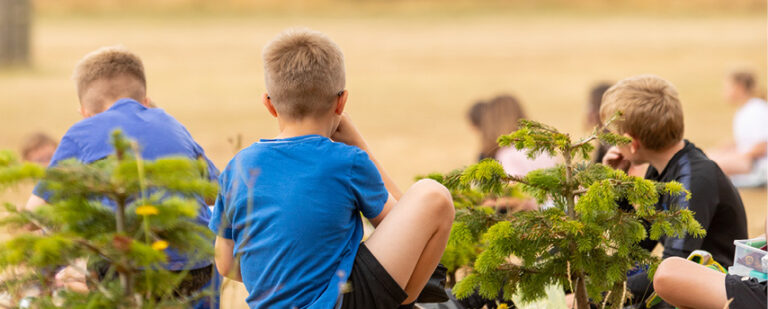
119	214
473	216
584	241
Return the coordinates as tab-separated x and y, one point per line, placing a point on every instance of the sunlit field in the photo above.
411	77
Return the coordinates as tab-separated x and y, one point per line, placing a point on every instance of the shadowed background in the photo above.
413	68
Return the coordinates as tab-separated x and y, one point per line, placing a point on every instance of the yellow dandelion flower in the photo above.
502	306
160	245
146	210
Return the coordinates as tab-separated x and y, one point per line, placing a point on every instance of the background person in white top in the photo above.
744	159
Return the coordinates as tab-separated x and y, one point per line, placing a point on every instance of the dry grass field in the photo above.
411	77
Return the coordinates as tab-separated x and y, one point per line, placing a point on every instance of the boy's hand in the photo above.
347	133
615	159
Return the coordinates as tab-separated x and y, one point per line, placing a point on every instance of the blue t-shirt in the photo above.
158	134
292	207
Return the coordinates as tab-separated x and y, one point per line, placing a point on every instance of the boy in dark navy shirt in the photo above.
288	213
111	86
653	119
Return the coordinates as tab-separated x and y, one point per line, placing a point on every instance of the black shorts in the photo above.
370	285
746	293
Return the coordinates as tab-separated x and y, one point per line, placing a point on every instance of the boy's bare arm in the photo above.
225	262
758	151
348	134
34	202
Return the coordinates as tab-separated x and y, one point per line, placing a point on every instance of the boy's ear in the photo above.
83	112
634	145
268	104
341	102
148	102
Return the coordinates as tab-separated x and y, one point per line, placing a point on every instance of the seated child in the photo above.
38	148
497	117
492	119
685	284
288	213
745	159
111	87
653	120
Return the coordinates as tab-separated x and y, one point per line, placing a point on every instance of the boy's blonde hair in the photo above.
651	110
111	62
304	73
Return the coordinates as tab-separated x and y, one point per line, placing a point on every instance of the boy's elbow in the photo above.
225	262
33	203
225	269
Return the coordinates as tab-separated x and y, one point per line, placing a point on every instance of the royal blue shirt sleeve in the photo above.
367	186
67	149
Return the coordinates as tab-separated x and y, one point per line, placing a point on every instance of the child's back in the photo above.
287	217
111	87
298	200
717	205
158	135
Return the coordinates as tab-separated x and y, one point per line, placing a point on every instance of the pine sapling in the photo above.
585	241
119	214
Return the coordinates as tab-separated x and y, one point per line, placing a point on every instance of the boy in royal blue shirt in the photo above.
288	213
111	86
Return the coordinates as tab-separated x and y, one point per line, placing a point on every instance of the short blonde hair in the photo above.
110	62
304	73
651	110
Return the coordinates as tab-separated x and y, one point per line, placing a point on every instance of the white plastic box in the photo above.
748	260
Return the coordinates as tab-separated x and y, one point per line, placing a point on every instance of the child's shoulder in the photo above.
273	152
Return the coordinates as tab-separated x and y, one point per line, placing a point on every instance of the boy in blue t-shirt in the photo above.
288	213
111	86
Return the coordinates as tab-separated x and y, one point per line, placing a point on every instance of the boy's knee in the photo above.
664	277
437	196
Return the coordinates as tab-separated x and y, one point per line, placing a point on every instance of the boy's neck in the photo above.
306	126
660	159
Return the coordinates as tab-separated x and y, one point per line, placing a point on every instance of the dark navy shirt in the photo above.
158	135
716	205
292	207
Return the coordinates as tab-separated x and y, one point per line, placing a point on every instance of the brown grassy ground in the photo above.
410	78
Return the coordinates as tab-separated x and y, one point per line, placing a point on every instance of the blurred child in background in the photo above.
744	159
38	148
498	117
112	90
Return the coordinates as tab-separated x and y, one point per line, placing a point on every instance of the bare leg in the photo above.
410	241
685	284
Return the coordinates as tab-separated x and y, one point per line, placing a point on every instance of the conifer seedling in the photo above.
119	214
583	241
